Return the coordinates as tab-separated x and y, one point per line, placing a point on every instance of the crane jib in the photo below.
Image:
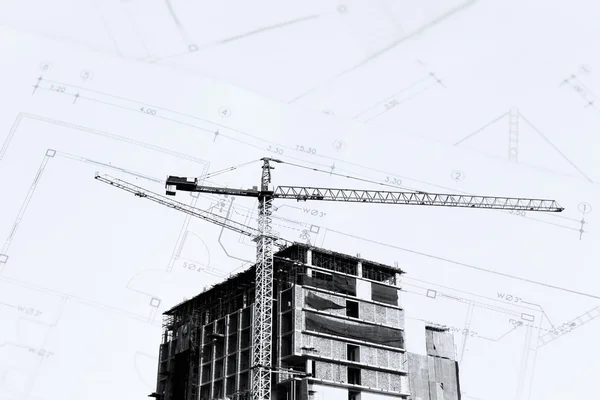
175	183
262	317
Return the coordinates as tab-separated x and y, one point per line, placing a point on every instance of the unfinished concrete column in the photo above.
309	262
359	269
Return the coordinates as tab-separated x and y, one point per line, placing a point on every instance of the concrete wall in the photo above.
434	375
324	392
363	289
331	372
378	380
376	396
440	344
382	380
433	378
337	350
369	312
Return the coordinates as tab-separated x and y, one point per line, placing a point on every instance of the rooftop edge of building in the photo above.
249	271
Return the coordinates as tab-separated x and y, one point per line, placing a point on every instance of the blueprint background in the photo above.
86	302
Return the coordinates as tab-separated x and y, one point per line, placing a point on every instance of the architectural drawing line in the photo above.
583	85
417	191
556	149
222	230
163	117
42	289
469	302
419	81
390	46
583	90
532	166
502	336
260	139
410	97
470	266
468	321
237	131
22	210
406	278
37	369
136	29
540	308
268	28
453	190
228	39
469	136
173	14
110	166
93	132
24	206
107	27
22	116
552	223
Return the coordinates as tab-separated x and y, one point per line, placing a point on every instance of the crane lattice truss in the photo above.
263	308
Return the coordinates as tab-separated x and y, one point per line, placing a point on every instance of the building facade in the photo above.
338	334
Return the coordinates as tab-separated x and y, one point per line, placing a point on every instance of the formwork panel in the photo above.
367	311
301	340
306	340
400	319
368	378
298	297
383	358
323	346
324	370
339	349
445	377
418	375
298	320
396	361
439	343
331	372
368	355
396	383
392	317
383	380
381	314
340	373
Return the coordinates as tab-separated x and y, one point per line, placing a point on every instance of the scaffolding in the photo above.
221	299
195	346
208	338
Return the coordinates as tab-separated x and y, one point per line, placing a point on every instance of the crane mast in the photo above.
263	306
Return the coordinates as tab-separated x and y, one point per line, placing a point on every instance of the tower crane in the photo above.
262	333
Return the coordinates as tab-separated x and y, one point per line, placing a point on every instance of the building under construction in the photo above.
338	333
304	322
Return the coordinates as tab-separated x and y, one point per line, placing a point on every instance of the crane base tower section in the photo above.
338	333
